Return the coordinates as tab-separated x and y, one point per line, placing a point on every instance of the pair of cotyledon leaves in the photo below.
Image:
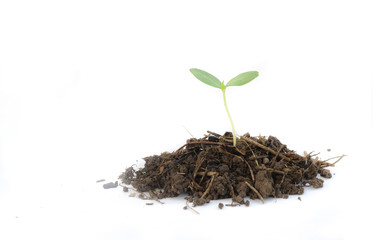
211	80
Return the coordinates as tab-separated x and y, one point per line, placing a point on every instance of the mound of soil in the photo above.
210	168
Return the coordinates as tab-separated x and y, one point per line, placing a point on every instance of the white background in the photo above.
87	88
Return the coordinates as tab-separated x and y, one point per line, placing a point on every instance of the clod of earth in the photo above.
211	168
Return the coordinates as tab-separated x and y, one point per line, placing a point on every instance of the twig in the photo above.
278	152
266	148
154	196
203	176
256	191
339	159
282	180
198	164
186	203
215	134
251	172
208	188
255	157
188	131
324	163
334	158
194	183
199	142
205	142
314	154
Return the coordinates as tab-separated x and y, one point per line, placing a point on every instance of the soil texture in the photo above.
211	168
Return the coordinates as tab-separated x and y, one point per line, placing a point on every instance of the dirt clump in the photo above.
211	168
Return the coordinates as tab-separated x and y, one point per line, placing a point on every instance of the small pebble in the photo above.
328	149
125	189
247	203
265	160
110	185
101	180
149	203
142	196
132	194
299	199
221	205
185	207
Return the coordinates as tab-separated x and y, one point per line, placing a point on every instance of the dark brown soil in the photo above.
210	168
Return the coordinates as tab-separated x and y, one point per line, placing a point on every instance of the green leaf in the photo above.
206	77
243	78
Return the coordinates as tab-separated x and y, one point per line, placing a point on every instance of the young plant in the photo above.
211	80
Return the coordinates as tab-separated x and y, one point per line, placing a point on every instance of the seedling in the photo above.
193	165
211	80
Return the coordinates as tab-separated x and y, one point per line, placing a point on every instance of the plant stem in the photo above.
229	115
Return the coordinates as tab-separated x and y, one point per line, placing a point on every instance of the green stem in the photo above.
229	115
